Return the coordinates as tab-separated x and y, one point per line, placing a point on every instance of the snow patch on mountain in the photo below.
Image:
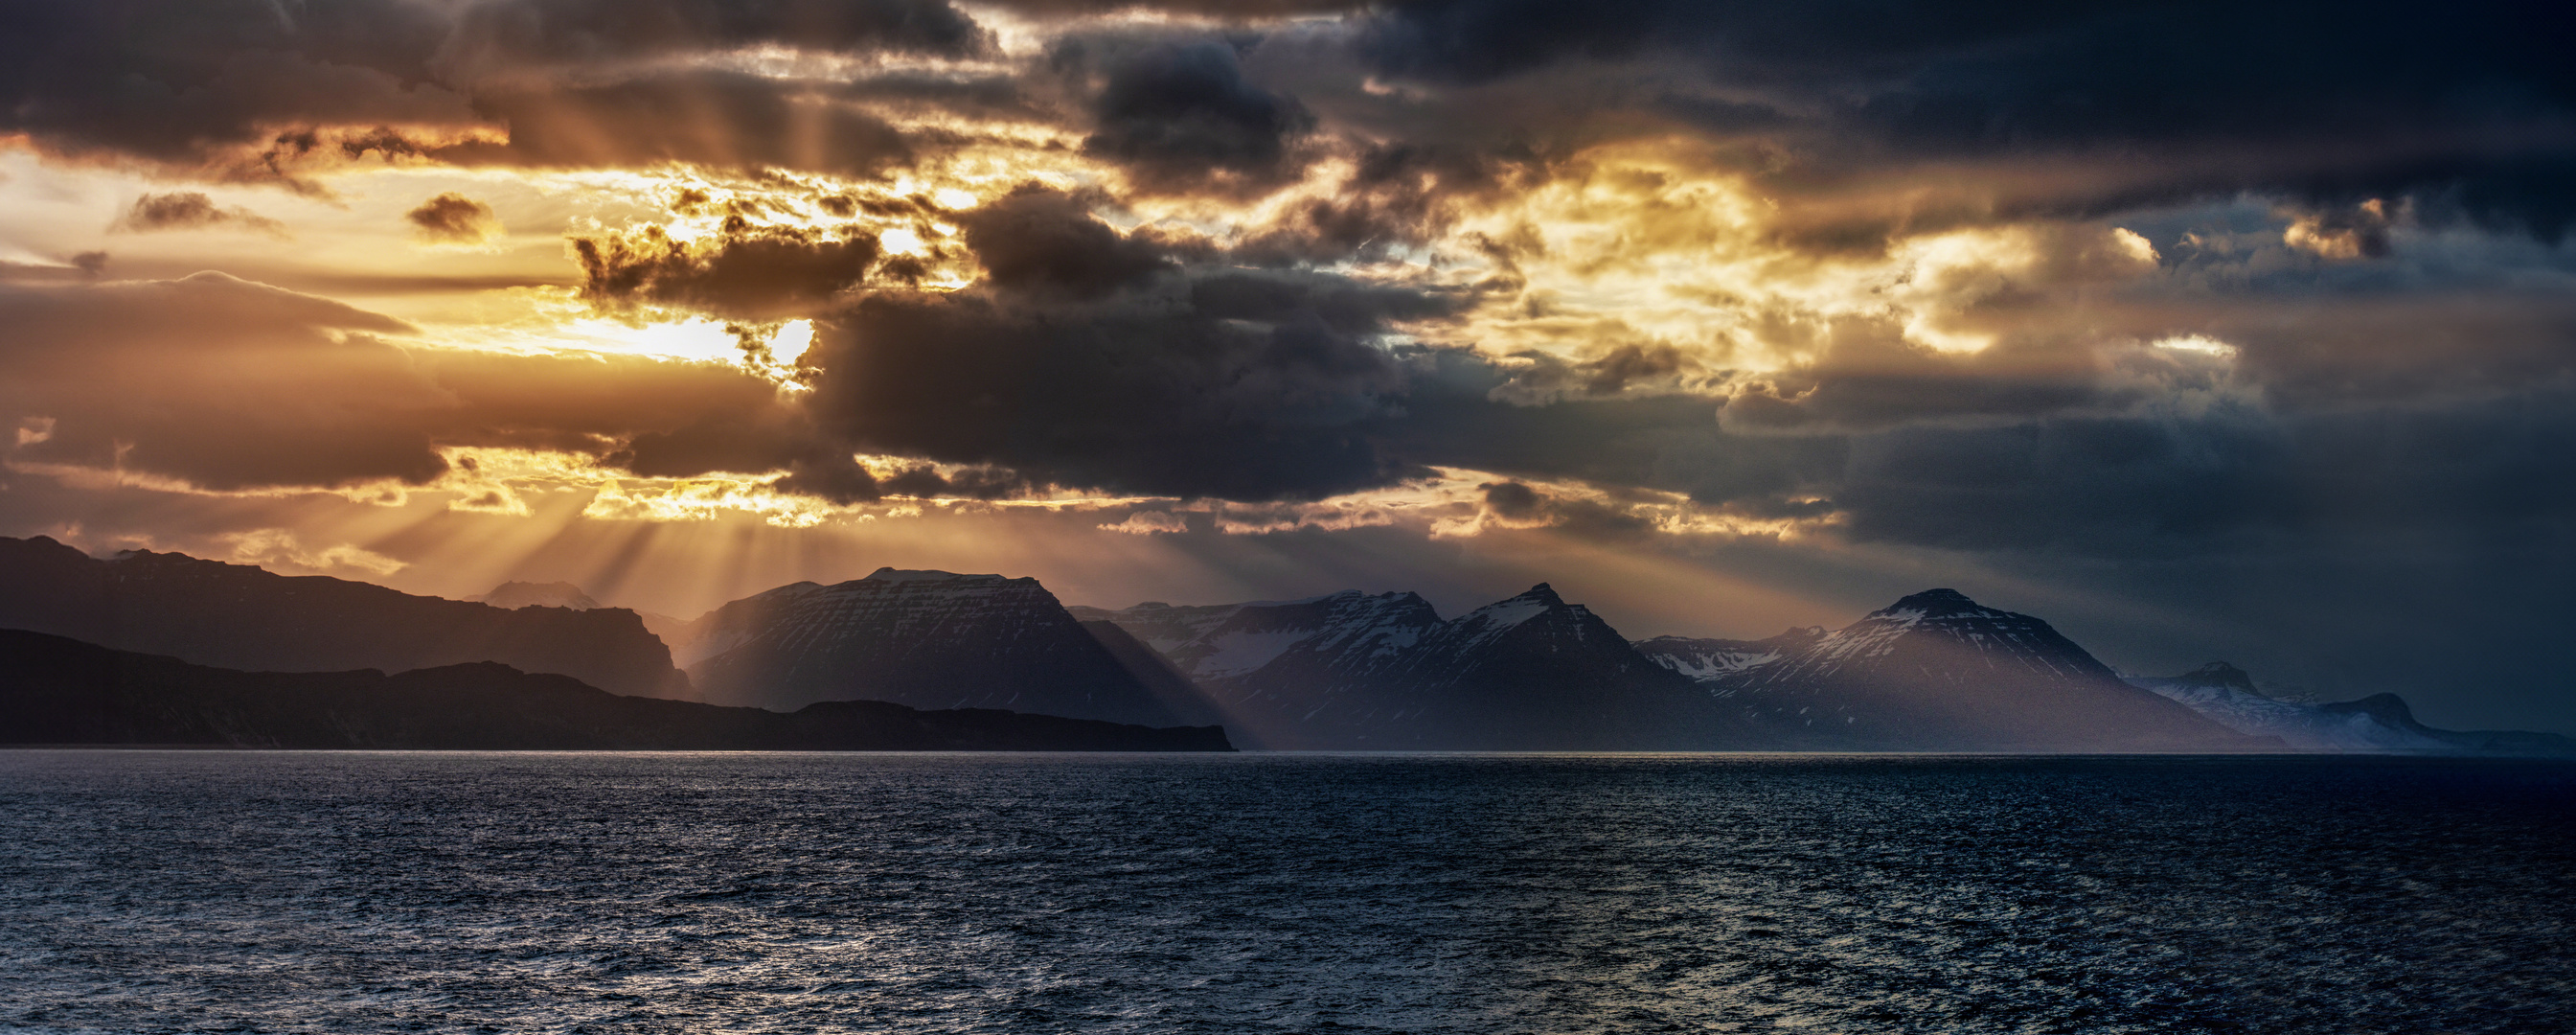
1236	653
2227	696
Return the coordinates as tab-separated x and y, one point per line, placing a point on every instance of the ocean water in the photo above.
462	892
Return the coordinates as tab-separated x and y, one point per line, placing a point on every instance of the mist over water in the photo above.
361	892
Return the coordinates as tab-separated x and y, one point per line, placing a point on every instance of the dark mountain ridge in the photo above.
55	690
928	639
238	616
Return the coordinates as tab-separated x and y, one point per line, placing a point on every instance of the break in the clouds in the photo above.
2074	291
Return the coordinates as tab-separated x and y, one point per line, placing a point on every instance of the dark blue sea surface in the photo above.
364	892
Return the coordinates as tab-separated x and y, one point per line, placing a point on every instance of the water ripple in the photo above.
363	892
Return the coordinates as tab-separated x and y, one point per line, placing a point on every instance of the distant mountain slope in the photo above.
237	616
1705	659
516	595
1354	671
2381	722
928	639
1936	671
59	691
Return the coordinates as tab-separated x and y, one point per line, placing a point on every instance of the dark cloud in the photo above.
209	86
1079	367
454	218
1182	116
1039	241
982	483
176	81
1520	506
503	33
975	96
1203	8
1344	305
189	210
2080	108
748	272
754	441
1512	499
2230	482
1870	377
1145	398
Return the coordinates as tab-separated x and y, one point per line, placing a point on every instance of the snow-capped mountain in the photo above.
1708	659
515	595
1354	671
928	639
1938	671
2381	722
1348	631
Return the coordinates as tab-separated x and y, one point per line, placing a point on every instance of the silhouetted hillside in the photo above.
238	616
929	639
60	691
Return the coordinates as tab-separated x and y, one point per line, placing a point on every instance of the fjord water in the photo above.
361	892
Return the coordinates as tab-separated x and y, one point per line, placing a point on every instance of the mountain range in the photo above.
1935	671
242	617
61	691
2380	722
1351	671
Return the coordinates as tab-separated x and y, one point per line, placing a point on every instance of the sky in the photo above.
2205	331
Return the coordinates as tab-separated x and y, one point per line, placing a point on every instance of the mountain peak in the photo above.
1937	602
892	574
2220	673
1533	602
516	595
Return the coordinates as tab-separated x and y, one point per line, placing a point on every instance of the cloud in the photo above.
744	271
219	384
190	210
501	34
1043	242
277	549
725	120
1082	361
188	84
453	218
1182	116
1149	522
755	441
235	89
2063	109
1144	398
2360	231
